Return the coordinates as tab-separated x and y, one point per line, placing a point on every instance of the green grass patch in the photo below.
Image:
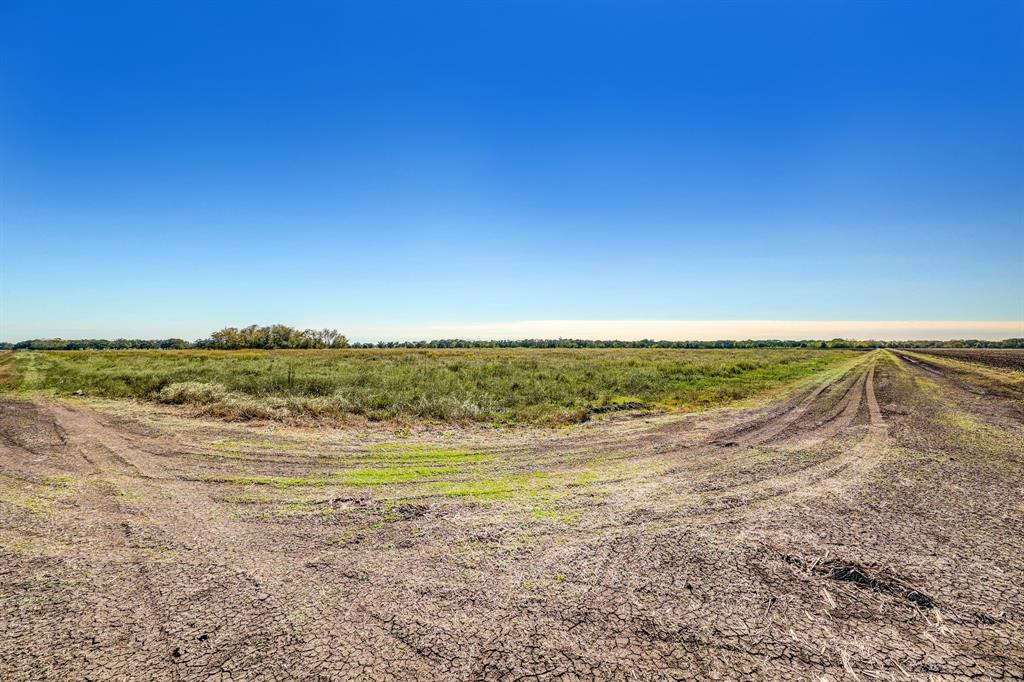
129	495
34	504
403	453
555	515
391	475
536	485
487	489
351	477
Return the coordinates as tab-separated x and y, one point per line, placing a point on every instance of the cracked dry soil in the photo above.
870	527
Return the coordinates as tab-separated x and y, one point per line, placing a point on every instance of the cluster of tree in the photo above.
229	338
273	336
283	336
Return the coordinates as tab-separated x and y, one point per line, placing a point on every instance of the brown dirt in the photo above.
870	528
1011	358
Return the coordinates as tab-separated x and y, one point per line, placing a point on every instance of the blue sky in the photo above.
171	168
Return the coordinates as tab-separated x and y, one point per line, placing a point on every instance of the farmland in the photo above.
790	515
997	358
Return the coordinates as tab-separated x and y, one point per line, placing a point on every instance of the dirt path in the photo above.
871	528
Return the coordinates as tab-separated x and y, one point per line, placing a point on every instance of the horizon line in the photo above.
701	330
636	330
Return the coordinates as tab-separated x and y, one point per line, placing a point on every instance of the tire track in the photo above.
98	438
163	622
777	426
840	418
877	422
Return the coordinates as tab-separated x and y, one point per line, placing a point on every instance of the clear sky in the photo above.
169	168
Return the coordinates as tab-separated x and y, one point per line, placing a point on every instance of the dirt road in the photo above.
872	527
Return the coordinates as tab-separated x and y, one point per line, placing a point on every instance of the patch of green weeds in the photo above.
555	515
385	476
402	453
36	505
500	488
129	495
350	477
280	482
963	421
484	489
37	498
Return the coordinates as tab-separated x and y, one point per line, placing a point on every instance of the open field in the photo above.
864	525
480	385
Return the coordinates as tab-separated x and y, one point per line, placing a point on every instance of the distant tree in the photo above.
283	336
273	336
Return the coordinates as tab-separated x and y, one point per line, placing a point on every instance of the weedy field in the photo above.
482	385
860	520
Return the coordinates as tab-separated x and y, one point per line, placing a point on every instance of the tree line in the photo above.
281	336
267	337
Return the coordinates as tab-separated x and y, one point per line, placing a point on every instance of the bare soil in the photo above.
870	527
1012	358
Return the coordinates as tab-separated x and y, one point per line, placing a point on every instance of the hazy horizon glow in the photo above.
633	330
172	168
700	330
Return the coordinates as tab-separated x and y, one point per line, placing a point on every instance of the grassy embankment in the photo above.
486	385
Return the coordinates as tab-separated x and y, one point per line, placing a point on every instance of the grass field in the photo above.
484	385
